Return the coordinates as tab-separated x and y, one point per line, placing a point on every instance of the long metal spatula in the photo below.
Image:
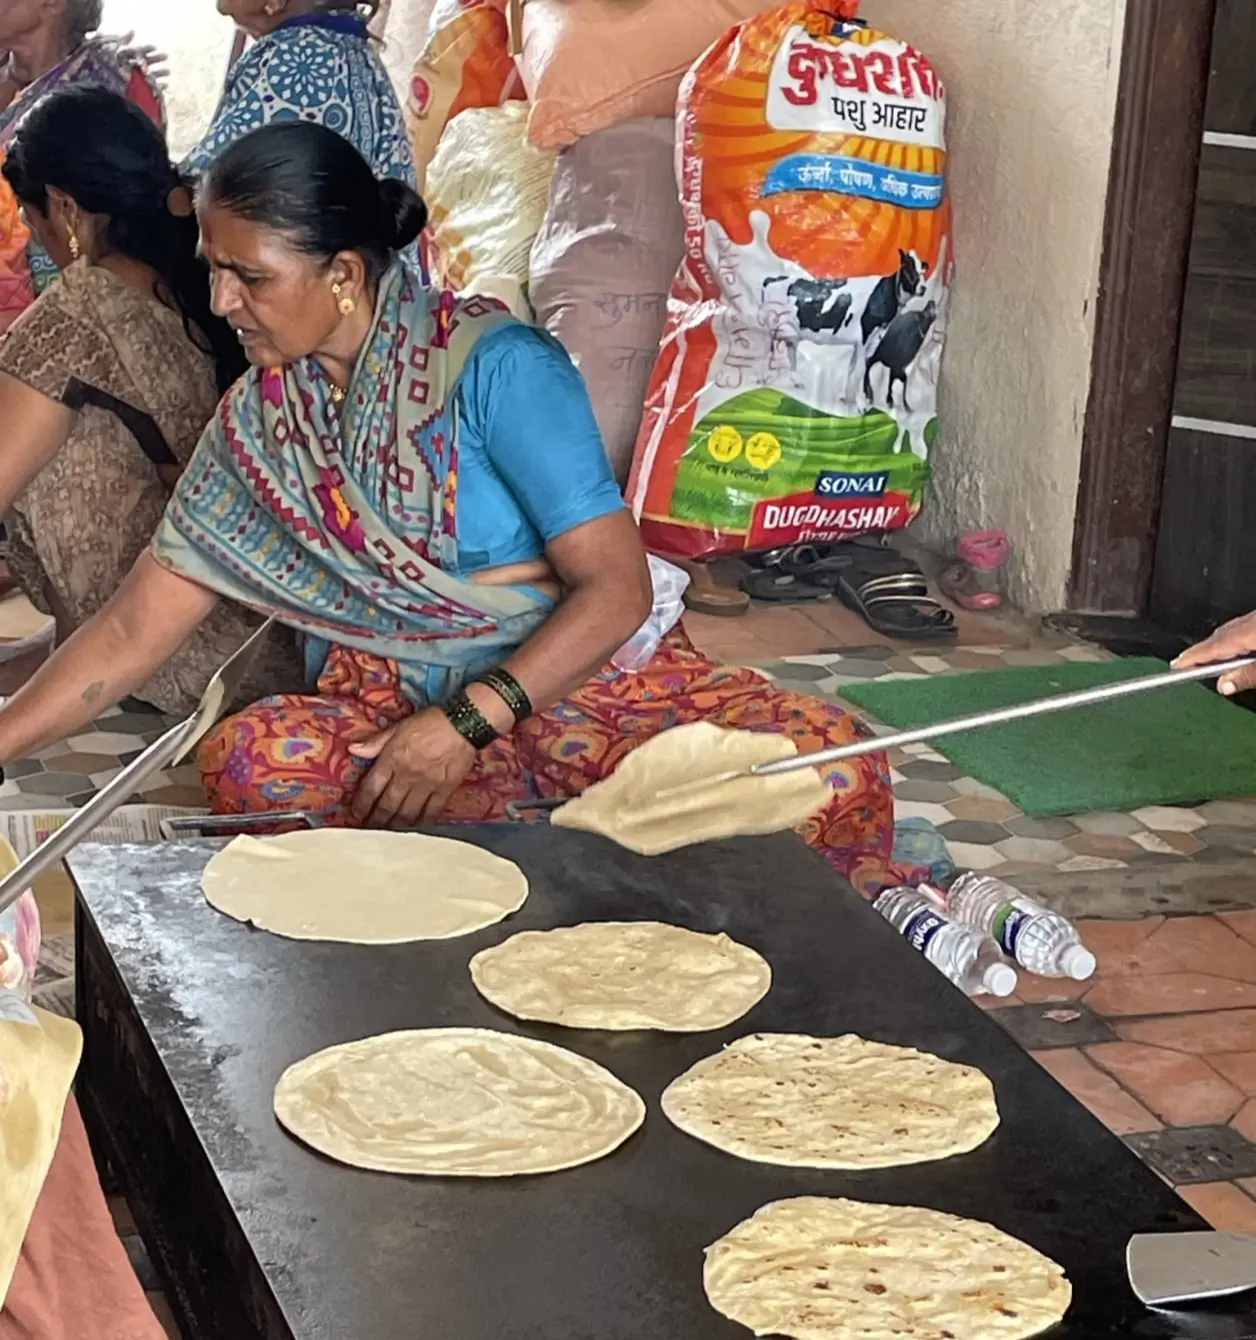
174	745
1060	702
1172	1268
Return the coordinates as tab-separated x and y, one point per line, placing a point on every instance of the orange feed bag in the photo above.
794	398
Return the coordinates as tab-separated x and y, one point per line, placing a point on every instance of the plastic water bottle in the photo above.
1041	941
971	960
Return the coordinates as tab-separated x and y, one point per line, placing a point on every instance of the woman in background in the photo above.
50	46
312	60
107	382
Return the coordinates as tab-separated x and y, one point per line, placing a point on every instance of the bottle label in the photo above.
921	929
1008	926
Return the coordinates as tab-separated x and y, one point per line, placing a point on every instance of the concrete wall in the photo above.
1031	88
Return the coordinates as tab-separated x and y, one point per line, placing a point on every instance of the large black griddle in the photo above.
190	1018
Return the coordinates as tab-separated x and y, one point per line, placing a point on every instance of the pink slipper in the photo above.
973	581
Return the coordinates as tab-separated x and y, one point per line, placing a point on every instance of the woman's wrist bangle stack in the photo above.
467	719
509	690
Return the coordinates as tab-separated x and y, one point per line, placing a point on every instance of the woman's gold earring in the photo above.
345	304
75	249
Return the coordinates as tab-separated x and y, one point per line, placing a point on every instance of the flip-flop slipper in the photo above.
896	604
783	588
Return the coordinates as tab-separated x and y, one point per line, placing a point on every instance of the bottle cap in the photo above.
1077	962
999	979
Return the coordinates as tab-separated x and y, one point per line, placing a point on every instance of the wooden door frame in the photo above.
1157	141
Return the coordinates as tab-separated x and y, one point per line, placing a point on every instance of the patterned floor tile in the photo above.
972	857
1168	819
973	831
938	793
1044	850
983	811
1241	923
1196	1154
1068	1023
1055	830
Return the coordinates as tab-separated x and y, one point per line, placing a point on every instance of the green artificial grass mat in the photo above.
1163	747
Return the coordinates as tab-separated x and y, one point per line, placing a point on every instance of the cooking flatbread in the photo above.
39	1054
456	1102
363	887
626	808
843	1102
623	975
820	1269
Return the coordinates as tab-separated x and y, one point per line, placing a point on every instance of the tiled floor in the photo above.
984	830
1161	1046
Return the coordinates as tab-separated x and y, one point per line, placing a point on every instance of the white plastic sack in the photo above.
670	585
487	191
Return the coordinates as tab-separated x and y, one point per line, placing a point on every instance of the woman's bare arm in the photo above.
606	577
150	617
34	429
608	596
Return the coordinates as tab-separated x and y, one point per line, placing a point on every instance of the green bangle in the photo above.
467	719
509	690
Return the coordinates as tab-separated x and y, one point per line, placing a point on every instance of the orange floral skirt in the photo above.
292	752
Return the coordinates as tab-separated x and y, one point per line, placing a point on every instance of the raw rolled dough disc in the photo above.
626	807
843	1102
457	1102
820	1269
363	887
623	975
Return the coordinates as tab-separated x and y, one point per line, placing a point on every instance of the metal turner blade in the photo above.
1168	1268
1059	702
173	746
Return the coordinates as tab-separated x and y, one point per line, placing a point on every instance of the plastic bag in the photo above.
795	394
465	63
487	191
670	585
603	262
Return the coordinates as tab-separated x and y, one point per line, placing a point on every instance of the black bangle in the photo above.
467	719
509	690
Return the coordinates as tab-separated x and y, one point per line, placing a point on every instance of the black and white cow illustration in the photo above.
892	294
898	350
815	310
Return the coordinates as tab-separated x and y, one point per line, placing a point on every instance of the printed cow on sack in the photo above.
852	312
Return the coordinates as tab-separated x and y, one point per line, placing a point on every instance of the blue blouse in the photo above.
531	464
531	461
314	68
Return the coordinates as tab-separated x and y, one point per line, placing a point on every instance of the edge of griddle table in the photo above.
190	1017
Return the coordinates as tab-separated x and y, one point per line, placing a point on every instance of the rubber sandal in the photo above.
896	604
705	595
973	581
774	586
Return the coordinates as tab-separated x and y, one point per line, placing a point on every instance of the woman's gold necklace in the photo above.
337	394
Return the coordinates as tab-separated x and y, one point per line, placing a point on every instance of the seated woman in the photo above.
313	60
418	482
107	382
50	46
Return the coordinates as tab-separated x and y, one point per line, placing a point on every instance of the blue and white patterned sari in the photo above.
319	67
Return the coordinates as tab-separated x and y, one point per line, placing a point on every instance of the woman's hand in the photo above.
419	764
155	63
1230	641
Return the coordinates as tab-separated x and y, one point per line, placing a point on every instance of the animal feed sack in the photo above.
794	398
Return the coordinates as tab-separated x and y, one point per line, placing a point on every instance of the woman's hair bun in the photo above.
404	211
